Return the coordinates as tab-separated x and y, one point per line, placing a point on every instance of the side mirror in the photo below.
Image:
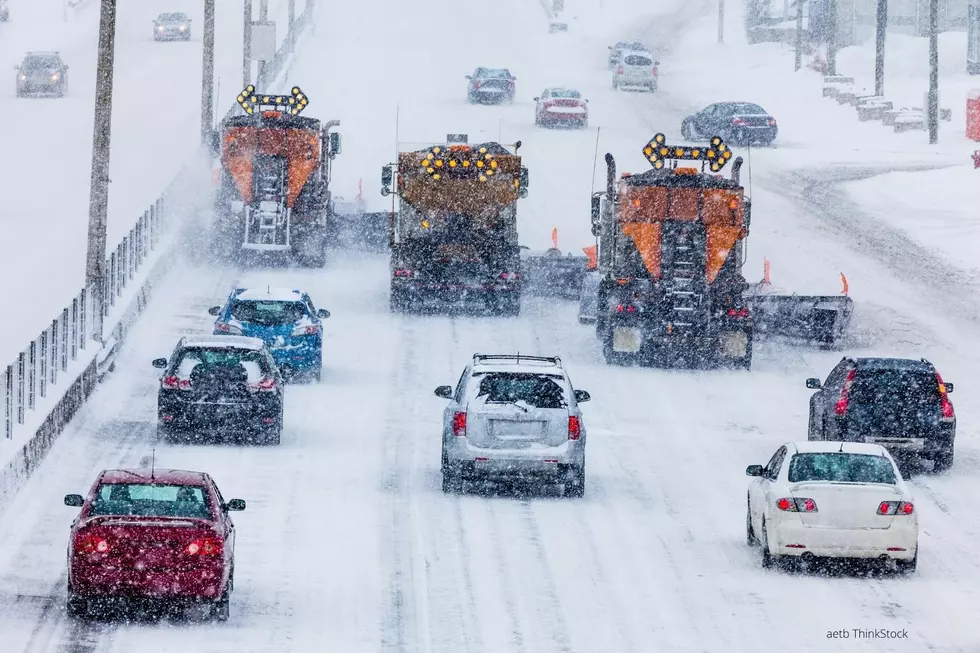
74	500
586	101
537	99
214	310
235	505
336	144
656	63
813	384
596	209
323	313
386	178
469	77
513	79
160	363
444	392
949	387
754	470
581	396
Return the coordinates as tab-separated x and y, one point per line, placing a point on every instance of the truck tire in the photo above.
943	459
397	301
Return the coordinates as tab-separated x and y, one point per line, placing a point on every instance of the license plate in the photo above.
627	340
905	444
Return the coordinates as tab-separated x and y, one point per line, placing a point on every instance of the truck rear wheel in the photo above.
397	301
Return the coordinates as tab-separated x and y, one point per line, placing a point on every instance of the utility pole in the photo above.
263	17
207	74
880	30
799	35
933	71
831	37
291	13
98	207
247	46
721	21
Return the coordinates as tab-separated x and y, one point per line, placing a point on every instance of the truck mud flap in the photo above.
588	304
362	232
554	275
815	319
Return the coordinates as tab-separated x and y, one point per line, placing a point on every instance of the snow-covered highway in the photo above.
348	543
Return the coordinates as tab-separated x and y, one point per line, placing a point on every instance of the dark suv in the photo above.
42	73
490	86
899	403
220	384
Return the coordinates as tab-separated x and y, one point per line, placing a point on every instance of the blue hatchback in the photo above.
285	319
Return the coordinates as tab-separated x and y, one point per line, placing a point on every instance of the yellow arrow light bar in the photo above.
459	163
296	101
716	154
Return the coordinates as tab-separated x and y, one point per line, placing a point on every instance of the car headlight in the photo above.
23	78
182	28
54	77
160	29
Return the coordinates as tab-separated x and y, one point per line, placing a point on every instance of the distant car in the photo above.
556	27
285	319
490	85
616	51
739	123
901	404
227	385
827	500
561	107
172	27
159	534
4	11
637	70
42	73
514	417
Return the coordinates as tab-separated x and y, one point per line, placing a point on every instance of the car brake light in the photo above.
793	504
309	330
227	328
741	312
476	85
625	308
175	383
946	404
574	428
655	71
459	424
92	544
619	71
738	121
403	273
841	406
772	122
264	385
206	546
509	275
895	508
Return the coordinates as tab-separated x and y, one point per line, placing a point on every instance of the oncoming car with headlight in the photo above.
42	73
285	319
832	500
172	27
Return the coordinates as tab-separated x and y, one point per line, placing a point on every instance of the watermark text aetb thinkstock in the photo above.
861	633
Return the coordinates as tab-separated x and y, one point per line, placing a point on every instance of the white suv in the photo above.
513	417
637	68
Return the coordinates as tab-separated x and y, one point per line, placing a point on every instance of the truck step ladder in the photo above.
683	272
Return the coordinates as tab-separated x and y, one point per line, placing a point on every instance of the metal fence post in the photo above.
54	352
32	375
82	318
8	402
112	279
21	369
74	334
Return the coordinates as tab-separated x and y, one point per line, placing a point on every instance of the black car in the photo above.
226	385
739	123
42	73
172	27
490	85
899	403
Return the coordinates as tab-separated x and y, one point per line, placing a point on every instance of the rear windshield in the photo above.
498	73
746	109
246	364
42	62
565	94
638	60
269	313
146	500
173	17
629	45
537	390
894	387
841	468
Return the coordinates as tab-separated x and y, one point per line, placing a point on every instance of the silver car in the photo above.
172	27
513	417
637	69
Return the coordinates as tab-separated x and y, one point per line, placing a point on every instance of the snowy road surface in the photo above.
348	543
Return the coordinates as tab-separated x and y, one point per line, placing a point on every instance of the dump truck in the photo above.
671	248
453	235
273	190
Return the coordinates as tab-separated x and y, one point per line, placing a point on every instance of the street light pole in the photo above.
247	46
263	17
98	210
832	37
721	21
799	35
933	71
207	74
291	13
880	29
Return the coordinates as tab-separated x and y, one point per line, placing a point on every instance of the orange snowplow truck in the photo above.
671	250
273	193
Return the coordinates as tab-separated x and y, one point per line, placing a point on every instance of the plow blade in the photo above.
550	273
820	320
363	232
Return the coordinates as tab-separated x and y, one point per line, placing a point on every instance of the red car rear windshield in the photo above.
151	500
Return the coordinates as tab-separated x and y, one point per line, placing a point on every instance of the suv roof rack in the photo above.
481	358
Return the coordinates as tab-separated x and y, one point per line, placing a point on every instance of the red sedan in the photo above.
160	534
561	107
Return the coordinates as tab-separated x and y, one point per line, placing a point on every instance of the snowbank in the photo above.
937	208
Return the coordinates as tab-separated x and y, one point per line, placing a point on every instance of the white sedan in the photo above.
561	107
832	500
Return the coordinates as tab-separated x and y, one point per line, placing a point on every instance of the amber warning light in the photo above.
294	103
716	155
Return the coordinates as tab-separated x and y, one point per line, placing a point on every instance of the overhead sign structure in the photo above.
263	41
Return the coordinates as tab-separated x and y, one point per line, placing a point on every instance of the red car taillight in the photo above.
574	428
625	308
459	424
206	546
792	504
841	406
91	543
739	121
404	273
619	71
264	385
895	508
741	312
655	73
772	122
947	406
175	383
476	85
509	276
